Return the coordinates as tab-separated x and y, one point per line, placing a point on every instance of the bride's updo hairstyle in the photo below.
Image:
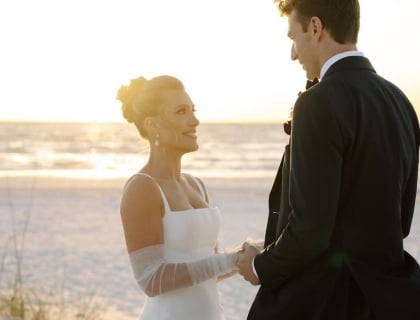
142	98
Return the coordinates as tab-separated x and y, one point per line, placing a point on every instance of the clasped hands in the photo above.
245	257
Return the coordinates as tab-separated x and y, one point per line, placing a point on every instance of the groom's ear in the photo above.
316	27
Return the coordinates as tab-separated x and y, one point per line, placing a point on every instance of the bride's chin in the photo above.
192	149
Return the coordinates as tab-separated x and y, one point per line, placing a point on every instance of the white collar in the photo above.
339	56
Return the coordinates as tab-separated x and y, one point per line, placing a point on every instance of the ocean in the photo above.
116	150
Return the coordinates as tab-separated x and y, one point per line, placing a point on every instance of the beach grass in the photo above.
20	301
23	303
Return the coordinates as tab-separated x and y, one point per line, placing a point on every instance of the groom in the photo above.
343	199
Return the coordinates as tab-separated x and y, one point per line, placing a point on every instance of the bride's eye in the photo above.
184	110
181	111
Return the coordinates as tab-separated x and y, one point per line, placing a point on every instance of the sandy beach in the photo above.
75	240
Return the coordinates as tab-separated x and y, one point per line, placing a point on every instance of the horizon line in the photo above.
224	121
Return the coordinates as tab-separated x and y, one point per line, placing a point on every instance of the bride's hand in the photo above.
244	263
257	244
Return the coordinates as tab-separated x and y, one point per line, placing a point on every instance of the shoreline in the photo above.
84	182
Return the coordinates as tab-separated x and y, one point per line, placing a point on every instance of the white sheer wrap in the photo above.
155	276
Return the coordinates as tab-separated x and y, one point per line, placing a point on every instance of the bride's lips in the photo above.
191	134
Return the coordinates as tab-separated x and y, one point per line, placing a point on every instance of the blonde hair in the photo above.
142	98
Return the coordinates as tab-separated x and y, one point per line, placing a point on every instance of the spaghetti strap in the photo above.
165	201
200	187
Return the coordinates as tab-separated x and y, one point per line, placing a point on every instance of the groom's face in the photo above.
304	44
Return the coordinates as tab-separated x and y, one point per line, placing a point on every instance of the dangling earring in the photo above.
157	140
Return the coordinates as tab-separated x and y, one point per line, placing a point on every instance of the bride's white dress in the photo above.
189	235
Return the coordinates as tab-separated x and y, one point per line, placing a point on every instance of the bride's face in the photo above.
177	122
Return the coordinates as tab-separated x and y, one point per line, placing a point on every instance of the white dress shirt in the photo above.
327	64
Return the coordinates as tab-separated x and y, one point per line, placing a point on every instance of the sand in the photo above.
74	237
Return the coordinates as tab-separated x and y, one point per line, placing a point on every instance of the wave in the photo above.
74	149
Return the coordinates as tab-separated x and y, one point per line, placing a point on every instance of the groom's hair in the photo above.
341	18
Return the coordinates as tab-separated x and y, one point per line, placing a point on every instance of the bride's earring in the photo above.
157	140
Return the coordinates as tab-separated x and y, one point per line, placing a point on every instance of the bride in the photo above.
170	229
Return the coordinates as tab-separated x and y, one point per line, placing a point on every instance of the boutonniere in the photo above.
287	126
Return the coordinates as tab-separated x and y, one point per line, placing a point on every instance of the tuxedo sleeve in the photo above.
315	176
410	193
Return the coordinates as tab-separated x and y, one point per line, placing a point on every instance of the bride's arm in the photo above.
141	213
156	276
236	250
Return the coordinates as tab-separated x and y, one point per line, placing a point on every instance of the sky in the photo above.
64	60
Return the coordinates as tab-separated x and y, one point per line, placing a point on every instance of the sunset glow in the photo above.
64	60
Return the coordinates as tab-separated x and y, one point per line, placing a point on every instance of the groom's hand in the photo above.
244	263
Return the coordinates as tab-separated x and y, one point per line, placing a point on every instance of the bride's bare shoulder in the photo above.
140	193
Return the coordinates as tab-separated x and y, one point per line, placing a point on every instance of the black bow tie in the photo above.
310	83
287	126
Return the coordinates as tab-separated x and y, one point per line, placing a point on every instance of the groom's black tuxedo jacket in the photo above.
341	204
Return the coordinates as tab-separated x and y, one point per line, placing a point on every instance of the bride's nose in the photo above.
194	120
